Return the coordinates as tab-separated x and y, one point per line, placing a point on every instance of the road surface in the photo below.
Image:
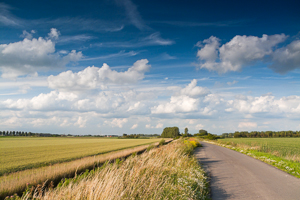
238	176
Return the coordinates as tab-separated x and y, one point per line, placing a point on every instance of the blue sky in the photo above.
113	67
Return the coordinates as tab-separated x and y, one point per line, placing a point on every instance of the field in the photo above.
65	149
288	148
19	153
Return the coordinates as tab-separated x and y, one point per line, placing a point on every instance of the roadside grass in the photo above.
167	172
269	151
20	153
16	182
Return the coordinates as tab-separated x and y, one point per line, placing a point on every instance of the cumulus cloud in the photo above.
286	58
247	125
192	90
116	122
199	126
54	33
134	126
184	101
240	51
94	77
159	125
81	123
27	35
177	104
265	104
32	55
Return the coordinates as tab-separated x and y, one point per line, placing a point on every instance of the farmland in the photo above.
19	153
63	148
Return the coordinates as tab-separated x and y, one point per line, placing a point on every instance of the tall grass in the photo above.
16	182
168	172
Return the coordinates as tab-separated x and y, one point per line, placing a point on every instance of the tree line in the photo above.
261	134
173	132
22	133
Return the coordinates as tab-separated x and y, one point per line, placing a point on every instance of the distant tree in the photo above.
186	132
202	132
170	132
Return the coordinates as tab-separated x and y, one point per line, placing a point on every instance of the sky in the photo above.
135	67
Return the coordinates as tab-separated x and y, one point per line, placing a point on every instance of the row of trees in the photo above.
138	135
261	134
173	132
22	133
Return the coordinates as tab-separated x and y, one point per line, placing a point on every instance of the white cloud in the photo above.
265	104
81	123
232	83
199	126
54	33
134	126
209	51
177	104
94	77
148	125
159	125
27	35
247	125
29	56
117	122
287	58
192	90
240	51
184	101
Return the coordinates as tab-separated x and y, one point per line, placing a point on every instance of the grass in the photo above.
287	148
20	153
168	172
16	182
283	153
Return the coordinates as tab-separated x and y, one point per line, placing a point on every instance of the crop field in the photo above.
288	148
20	153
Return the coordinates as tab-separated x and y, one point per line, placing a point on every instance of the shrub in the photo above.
162	142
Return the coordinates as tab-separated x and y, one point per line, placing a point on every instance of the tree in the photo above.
186	132
202	132
170	132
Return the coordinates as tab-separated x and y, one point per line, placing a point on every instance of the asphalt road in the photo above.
238	176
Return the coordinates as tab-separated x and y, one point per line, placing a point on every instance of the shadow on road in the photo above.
216	191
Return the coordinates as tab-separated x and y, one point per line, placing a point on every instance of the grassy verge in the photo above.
18	181
168	172
290	166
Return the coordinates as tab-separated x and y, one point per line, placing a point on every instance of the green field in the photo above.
19	153
283	147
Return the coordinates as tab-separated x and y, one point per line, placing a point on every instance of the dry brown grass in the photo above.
16	182
163	173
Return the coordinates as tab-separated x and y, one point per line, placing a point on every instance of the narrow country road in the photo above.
237	176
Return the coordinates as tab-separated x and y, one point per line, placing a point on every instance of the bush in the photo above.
162	142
